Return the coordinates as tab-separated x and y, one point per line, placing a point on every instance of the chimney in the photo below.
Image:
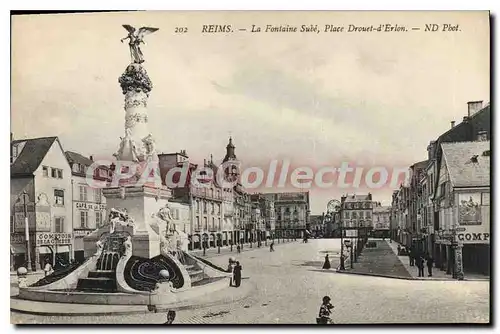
91	158
482	136
452	124
474	107
431	150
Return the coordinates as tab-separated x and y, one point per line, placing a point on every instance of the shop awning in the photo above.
17	249
62	249
44	250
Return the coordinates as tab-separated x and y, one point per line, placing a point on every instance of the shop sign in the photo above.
51	238
17	239
351	233
474	238
469	209
81	233
19	224
291	197
90	206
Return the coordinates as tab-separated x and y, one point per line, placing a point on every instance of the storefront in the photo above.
54	248
18	257
474	232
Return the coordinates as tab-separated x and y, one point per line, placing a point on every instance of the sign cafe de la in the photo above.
90	206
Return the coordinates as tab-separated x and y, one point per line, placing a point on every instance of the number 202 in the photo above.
181	30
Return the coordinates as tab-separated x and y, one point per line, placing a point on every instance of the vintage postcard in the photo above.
258	167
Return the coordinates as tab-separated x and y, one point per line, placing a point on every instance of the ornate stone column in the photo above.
138	144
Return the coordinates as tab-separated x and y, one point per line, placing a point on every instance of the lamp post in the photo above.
332	213
26	198
56	242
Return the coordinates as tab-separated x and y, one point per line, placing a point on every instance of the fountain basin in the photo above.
119	298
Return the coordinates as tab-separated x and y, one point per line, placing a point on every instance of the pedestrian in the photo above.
48	268
430	263
325	312
237	274
230	269
420	265
411	255
238	249
399	249
170	317
271	247
327	265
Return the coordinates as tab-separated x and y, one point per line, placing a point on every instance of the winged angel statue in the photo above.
135	39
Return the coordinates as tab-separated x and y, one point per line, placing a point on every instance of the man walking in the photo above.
411	255
271	247
420	265
430	263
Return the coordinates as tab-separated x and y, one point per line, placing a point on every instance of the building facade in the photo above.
267	214
424	210
356	215
88	203
463	201
39	168
292	212
381	221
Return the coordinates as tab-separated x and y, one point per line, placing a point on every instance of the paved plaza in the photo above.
286	287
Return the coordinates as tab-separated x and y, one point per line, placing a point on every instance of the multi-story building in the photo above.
219	215
462	198
381	220
88	204
476	124
267	213
292	213
240	215
395	222
41	175
204	198
243	226
424	211
417	234
356	215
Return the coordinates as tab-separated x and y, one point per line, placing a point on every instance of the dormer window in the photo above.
486	153
473	159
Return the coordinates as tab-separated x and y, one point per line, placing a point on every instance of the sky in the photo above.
372	99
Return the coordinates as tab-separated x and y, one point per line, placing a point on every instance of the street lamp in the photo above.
332	211
26	198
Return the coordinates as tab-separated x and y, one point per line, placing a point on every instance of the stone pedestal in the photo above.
141	203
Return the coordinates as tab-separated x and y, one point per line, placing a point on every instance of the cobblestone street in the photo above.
288	284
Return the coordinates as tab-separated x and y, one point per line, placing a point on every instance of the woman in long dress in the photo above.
237	274
327	265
